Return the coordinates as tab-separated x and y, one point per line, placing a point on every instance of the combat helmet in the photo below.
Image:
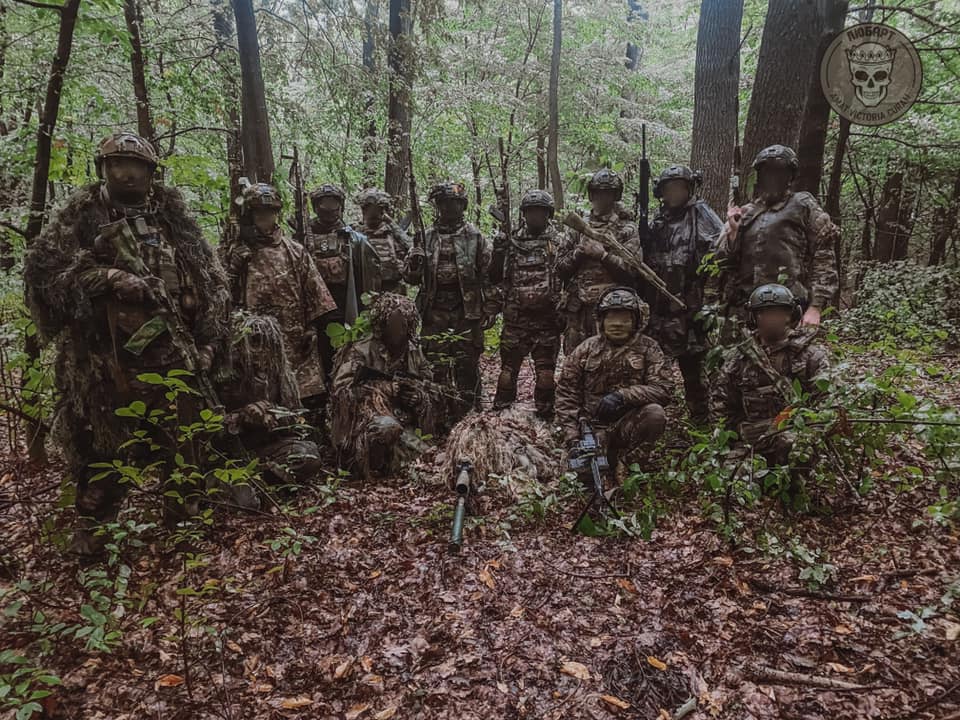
606	179
124	144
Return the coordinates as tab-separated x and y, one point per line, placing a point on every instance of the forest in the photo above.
699	581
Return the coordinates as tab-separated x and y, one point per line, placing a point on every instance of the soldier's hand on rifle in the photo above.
590	248
130	288
239	257
408	393
811	317
415	260
205	357
258	415
734	215
611	407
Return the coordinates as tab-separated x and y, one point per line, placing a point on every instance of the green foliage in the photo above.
23	685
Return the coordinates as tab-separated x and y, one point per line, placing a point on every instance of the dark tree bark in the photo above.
541	160
134	17
41	175
945	224
553	102
716	97
787	57
226	54
816	116
371	19
399	116
255	131
894	219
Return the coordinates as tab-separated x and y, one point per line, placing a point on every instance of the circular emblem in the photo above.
871	74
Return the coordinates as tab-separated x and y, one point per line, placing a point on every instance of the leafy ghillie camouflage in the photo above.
65	314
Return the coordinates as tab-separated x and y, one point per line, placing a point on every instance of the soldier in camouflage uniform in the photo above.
531	324
780	232
618	378
388	239
269	274
85	293
347	262
451	270
756	384
383	390
588	268
683	232
261	400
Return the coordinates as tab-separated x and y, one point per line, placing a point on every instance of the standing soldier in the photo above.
387	238
781	232
125	283
587	267
757	380
451	270
684	231
347	263
617	378
270	274
531	326
383	390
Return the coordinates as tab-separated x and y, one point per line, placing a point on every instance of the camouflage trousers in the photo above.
636	431
460	356
388	444
695	390
539	338
580	325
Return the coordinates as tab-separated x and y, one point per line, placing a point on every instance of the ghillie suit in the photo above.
379	401
261	399
67	287
508	444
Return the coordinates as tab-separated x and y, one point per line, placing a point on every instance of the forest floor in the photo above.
349	606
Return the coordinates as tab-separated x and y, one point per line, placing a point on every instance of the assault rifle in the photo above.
462	488
587	458
120	237
574	221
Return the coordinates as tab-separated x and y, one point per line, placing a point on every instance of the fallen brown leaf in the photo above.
386	713
615	701
656	662
575	669
356	711
295	703
169	681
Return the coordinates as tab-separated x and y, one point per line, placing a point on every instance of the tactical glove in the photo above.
611	407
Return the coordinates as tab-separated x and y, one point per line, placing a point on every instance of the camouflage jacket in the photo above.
525	267
751	394
585	279
676	246
392	244
466	268
345	259
279	278
597	367
794	234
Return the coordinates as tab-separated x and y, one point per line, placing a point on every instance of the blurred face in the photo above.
676	193
329	211
536	219
773	181
396	333
128	179
450	211
618	325
372	215
773	324
602	201
265	219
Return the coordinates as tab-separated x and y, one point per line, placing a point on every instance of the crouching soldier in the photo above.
261	401
383	391
618	378
757	382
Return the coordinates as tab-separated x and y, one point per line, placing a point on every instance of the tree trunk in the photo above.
134	17
226	37
371	18
399	117
787	58
635	12
553	132
945	224
541	160
894	210
716	97
41	175
255	131
816	116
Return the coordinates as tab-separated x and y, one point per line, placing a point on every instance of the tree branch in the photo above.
10	226
41	5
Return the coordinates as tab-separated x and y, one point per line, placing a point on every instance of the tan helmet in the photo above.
260	195
328	190
624	298
448	190
124	144
374	196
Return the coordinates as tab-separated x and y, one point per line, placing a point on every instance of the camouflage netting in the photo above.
508	443
258	346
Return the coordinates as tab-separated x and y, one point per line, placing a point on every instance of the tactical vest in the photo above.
762	401
593	278
448	276
773	239
452	266
384	243
331	253
529	278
